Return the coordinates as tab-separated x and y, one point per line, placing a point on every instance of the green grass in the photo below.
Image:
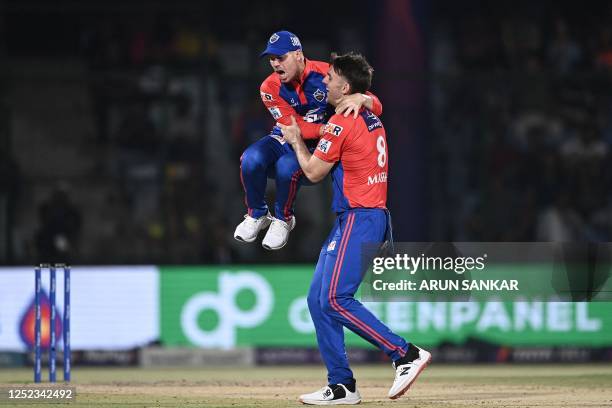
272	387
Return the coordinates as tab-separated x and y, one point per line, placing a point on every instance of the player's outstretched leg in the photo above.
256	163
289	176
341	278
341	388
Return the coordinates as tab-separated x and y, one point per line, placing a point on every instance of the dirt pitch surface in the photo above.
439	386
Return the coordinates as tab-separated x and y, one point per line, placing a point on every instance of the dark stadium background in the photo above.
121	128
122	123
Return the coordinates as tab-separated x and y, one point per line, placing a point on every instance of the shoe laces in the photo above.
322	390
276	223
252	220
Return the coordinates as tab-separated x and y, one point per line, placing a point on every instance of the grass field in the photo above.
439	386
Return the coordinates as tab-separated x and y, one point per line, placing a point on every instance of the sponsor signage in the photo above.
266	306
112	308
121	308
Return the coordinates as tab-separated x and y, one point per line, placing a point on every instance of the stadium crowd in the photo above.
522	125
521	131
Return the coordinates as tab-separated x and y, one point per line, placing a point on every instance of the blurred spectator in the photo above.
253	123
221	252
57	238
584	148
137	163
559	222
188	45
564	53
603	58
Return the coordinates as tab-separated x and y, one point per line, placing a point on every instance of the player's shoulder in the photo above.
319	66
270	87
369	120
338	125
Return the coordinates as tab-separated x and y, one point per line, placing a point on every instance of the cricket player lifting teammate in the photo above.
295	88
355	151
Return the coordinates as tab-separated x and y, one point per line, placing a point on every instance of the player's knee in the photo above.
313	301
334	304
252	160
328	304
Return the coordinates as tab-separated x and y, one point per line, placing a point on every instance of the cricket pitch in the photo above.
439	386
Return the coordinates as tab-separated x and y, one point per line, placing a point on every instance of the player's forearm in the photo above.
310	130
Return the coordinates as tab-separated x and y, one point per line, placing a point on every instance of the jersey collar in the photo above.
308	66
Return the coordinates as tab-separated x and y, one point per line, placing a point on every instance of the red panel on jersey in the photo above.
360	145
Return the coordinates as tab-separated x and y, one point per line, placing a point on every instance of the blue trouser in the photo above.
268	158
337	276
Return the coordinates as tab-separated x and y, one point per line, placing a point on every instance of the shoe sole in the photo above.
329	403
240	239
269	248
407	387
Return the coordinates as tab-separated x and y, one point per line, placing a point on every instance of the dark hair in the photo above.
355	69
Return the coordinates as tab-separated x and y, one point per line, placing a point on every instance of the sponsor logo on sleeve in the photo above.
266	97
333	129
276	113
319	95
331	246
324	145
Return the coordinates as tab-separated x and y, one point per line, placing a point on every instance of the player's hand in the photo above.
351	104
291	133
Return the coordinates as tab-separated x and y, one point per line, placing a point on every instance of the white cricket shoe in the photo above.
248	229
333	394
407	373
278	234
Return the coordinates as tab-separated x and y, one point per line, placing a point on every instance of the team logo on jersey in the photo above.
331	246
276	113
274	38
319	95
266	97
333	129
324	145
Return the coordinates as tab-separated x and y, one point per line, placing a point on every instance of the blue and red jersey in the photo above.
360	148
306	99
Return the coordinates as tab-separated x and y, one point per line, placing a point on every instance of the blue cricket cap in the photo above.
282	42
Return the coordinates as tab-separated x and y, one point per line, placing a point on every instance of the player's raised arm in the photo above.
354	102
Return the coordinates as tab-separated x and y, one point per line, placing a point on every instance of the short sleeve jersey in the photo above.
306	99
359	146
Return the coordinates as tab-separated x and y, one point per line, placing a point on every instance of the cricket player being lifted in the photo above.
354	150
295	88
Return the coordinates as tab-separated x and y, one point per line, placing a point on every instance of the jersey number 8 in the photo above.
382	151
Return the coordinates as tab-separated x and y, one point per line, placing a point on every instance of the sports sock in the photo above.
411	354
